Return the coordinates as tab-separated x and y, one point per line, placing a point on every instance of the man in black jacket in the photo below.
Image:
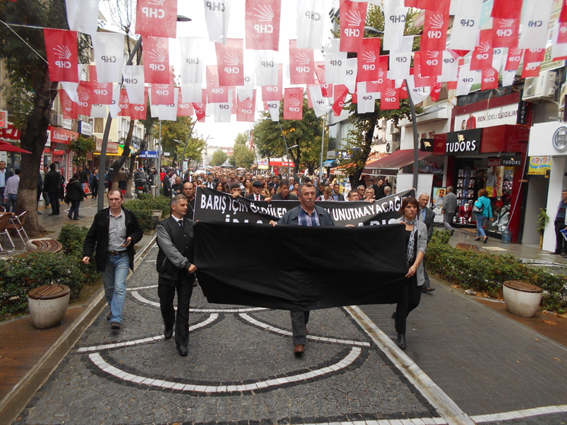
176	271
256	194
284	194
52	185
114	233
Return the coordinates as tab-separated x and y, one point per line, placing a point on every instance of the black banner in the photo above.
215	206
300	268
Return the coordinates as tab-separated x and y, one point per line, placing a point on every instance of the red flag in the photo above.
489	79
139	111
431	63
562	36
230	60
341	92
434	31
157	18
274	93
62	55
380	85
326	89
563	15
156	60
184	109
246	109
293	104
215	93
532	62
390	98
68	107
436	91
84	106
483	53
101	92
514	58
507	9
263	24
163	94
419	79
301	64
368	59
505	32
441	6
403	91
124	104
353	19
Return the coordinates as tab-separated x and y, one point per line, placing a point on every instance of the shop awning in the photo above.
392	163
330	163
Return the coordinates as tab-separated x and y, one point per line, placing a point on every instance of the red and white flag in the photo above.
436	91
157	18
505	32
156	60
562	32
320	72
507	9
84	106
489	79
319	104
139	111
513	59
301	64
434	31
184	109
216	93
368	59
162	94
431	63
390	98
353	19
533	58
419	80
101	92
230	62
340	92
62	55
246	109
263	24
68	107
274	93
483	53
124	104
201	108
293	104
380	84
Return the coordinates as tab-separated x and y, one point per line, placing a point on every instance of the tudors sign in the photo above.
463	142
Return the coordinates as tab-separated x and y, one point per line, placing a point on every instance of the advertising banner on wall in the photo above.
507	114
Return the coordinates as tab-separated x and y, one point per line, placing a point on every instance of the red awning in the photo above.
392	163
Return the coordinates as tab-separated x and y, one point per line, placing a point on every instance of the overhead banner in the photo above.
274	92
353	19
101	92
297	284
274	109
192	60
215	206
156	60
134	82
293	104
310	23
301	64
84	94
157	18
217	14
62	55
82	15
109	56
535	22
230	60
246	109
368	60
262	23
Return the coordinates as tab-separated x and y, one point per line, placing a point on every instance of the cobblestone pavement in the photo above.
240	369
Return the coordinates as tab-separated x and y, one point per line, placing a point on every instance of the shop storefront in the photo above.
56	150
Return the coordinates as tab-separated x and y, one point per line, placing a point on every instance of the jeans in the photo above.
11	204
74	210
479	222
114	278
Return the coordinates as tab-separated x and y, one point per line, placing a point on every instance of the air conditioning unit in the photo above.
542	87
57	119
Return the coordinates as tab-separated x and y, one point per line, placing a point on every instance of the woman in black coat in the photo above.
75	194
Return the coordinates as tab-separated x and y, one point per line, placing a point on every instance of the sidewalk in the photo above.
485	362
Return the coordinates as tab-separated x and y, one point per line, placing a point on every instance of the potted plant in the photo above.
542	220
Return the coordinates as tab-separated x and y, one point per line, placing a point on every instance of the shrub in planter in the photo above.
73	238
143	207
18	275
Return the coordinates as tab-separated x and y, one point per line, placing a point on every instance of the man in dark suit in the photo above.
189	192
306	214
284	194
51	185
167	184
379	189
426	215
176	271
337	195
257	191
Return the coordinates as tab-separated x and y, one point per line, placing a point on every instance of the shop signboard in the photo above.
148	154
502	115
511	160
426	145
539	165
466	142
85	128
3	119
60	135
494	162
524	109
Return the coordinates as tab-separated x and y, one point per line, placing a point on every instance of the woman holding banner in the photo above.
410	292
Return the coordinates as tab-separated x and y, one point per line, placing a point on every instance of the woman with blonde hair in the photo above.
482	209
327	194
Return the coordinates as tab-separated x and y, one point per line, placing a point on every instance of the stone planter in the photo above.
521	298
48	305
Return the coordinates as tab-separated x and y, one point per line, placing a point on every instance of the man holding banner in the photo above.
305	214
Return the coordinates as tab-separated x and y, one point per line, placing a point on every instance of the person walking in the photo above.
560	242
111	238
51	186
426	215
11	191
75	194
305	214
5	174
176	271
482	210
449	209
410	290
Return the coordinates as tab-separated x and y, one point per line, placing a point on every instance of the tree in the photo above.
242	155
82	146
303	138
219	158
32	92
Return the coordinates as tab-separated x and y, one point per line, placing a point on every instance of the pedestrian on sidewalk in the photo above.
5	174
51	186
112	236
11	191
560	242
74	194
482	210
427	216
449	209
176	271
410	290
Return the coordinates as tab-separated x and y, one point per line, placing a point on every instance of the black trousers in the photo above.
560	242
299	321
166	293
410	296
54	199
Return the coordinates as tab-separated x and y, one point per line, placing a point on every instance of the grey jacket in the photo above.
450	203
421	246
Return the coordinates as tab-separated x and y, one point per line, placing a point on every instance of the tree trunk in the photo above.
355	178
33	139
119	163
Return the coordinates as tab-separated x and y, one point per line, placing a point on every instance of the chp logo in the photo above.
158	58
369	58
483	50
303	61
294	103
68	105
505	29
83	98
264	14
435	25
101	89
64	54
140	108
390	95
489	75
154	13
354	19
246	106
231	61
432	57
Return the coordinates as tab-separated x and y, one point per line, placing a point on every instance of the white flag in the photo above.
536	16
450	68
333	46
191	93
134	82
114	107
109	56
508	77
335	65
557	50
499	58
192	60
169	112
320	106
217	14
99	111
399	66
350	73
466	79
366	102
222	111
274	108
418	94
154	109
394	25
466	25
267	68
247	90
71	90
311	16
82	16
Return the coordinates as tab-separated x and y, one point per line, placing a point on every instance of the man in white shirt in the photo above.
11	191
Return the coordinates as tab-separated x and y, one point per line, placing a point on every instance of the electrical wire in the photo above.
25	42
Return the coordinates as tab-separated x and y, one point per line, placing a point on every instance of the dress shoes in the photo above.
555	253
183	351
115	325
109	316
426	290
402	341
168	333
299	350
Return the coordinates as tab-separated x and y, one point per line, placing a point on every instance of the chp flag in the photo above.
156	59
293	104
62	54
230	60
353	19
263	24
301	64
157	18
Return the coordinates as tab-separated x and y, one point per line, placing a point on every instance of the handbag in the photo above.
477	210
